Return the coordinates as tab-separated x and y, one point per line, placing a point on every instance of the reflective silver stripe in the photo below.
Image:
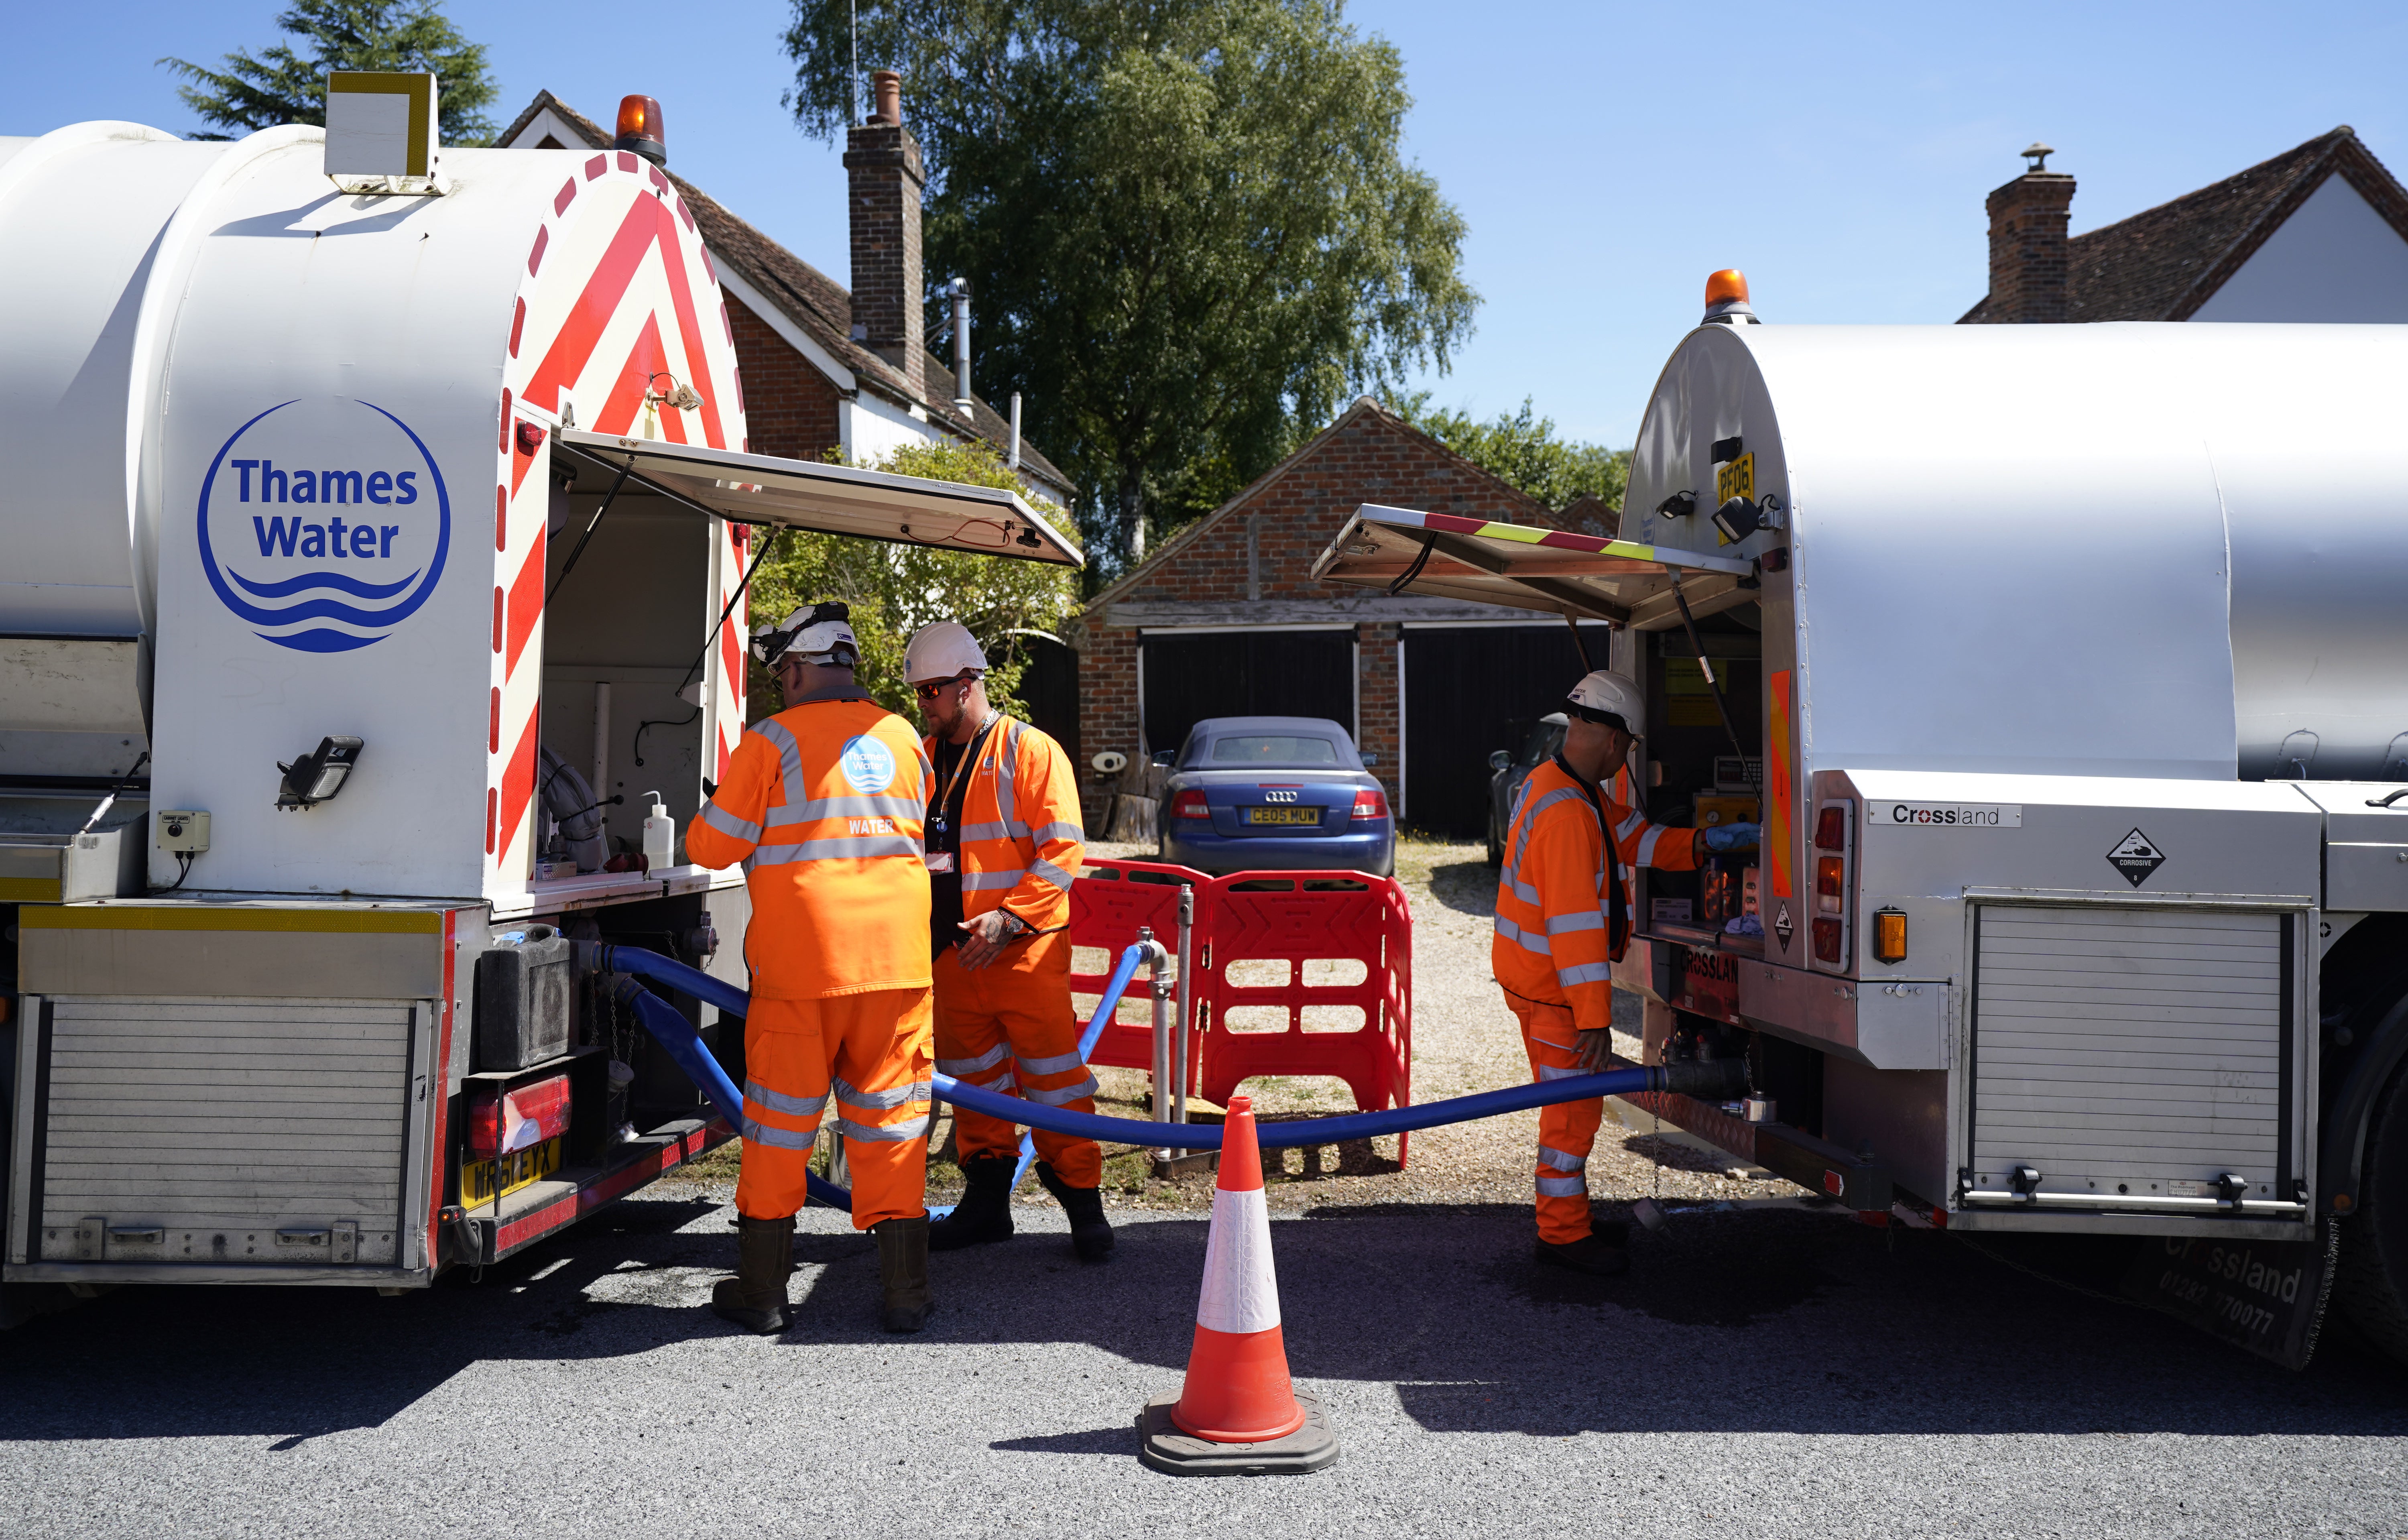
778	1101
1562	1159
1051	1064
1550	1072
989	882
1059	831
1588	973
985	831
1562	1186
1586	919
1052	873
1528	818
790	758
729	824
987	1061
1523	890
1629	826
1522	938
784	1139
1001	1080
1060	1096
850	1095
1004	761
1646	850
859	846
884	1133
845	807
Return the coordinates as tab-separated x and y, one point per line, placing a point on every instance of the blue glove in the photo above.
1723	838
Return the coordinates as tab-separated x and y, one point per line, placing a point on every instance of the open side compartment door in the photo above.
762	489
1551	571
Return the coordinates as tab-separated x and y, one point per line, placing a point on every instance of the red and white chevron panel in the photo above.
619	304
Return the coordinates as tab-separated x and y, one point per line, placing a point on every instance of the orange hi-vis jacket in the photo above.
822	804
1556	933
1020	840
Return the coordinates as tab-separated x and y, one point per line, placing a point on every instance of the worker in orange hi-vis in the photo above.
1004	845
1561	923
822	803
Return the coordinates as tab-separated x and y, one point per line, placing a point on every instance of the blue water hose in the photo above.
1713	1080
1118	986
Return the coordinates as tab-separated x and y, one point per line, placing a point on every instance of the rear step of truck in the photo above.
485	1234
1858	1183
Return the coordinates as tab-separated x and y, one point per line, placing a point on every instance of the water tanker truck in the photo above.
2066	669
373	543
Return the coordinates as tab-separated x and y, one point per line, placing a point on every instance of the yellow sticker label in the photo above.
1735	480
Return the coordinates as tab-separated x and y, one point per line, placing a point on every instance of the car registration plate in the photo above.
1284	815
516	1170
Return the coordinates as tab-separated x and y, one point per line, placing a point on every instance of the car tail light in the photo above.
1371	804
1189	804
1831	828
501	1122
1830	882
1826	938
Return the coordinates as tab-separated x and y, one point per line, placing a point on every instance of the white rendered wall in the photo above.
872	429
2336	259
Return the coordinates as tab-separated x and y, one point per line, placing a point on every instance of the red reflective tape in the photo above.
497	617
627	160
492	799
685	213
518	326
441	1106
535	258
1453	525
1834	1184
526	604
501	518
567	195
581	331
494	726
731	656
503	438
697	364
660	183
1565	539
518	781
596	167
617	413
636	1172
725	754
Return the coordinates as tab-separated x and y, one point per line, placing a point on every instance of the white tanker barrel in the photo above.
2167	550
82	211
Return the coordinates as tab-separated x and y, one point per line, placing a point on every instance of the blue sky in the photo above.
1607	156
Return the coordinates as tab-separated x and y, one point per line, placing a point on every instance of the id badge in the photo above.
939	860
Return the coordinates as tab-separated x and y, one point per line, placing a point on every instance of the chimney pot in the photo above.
888	86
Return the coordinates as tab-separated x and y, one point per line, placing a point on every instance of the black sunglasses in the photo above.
931	692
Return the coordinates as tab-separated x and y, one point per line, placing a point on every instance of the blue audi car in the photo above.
1273	793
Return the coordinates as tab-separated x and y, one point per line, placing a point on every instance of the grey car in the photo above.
1507	770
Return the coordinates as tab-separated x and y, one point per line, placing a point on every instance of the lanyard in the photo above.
954	789
1617	911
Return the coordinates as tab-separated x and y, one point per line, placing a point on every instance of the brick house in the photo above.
1224	618
2319	233
826	366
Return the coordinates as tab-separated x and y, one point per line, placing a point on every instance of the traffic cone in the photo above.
1237	1414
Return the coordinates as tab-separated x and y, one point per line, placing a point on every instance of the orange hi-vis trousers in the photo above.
1567	1129
1010	1023
870	1054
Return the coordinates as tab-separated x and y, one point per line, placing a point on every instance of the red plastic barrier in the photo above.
1109	901
1295	918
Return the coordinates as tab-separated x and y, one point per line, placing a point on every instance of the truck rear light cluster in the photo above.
1189	804
522	1117
1371	804
1834	847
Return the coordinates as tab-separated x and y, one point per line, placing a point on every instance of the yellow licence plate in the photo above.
518	1169
1735	480
1284	815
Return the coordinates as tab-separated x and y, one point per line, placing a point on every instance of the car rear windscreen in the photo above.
1274	751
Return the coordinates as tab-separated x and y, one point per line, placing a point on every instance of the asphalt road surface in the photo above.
1772	1371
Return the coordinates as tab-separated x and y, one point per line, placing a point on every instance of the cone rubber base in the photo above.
1163	1448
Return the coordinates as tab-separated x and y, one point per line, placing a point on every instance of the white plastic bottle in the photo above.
660	834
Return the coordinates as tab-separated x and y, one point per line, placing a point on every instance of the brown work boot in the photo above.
905	1297
755	1298
1091	1233
1587	1255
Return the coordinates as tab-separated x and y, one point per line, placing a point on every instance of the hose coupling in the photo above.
1708	1080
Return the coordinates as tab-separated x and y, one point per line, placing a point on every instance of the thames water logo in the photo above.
325	523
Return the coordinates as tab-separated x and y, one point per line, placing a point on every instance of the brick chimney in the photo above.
2028	257
883	162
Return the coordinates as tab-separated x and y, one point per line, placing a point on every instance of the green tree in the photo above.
1188	223
283	86
896	589
1524	451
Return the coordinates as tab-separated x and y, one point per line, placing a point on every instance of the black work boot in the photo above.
905	1297
1587	1255
1091	1233
755	1298
985	1212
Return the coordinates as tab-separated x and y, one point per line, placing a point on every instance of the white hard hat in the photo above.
945	650
816	633
1605	692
